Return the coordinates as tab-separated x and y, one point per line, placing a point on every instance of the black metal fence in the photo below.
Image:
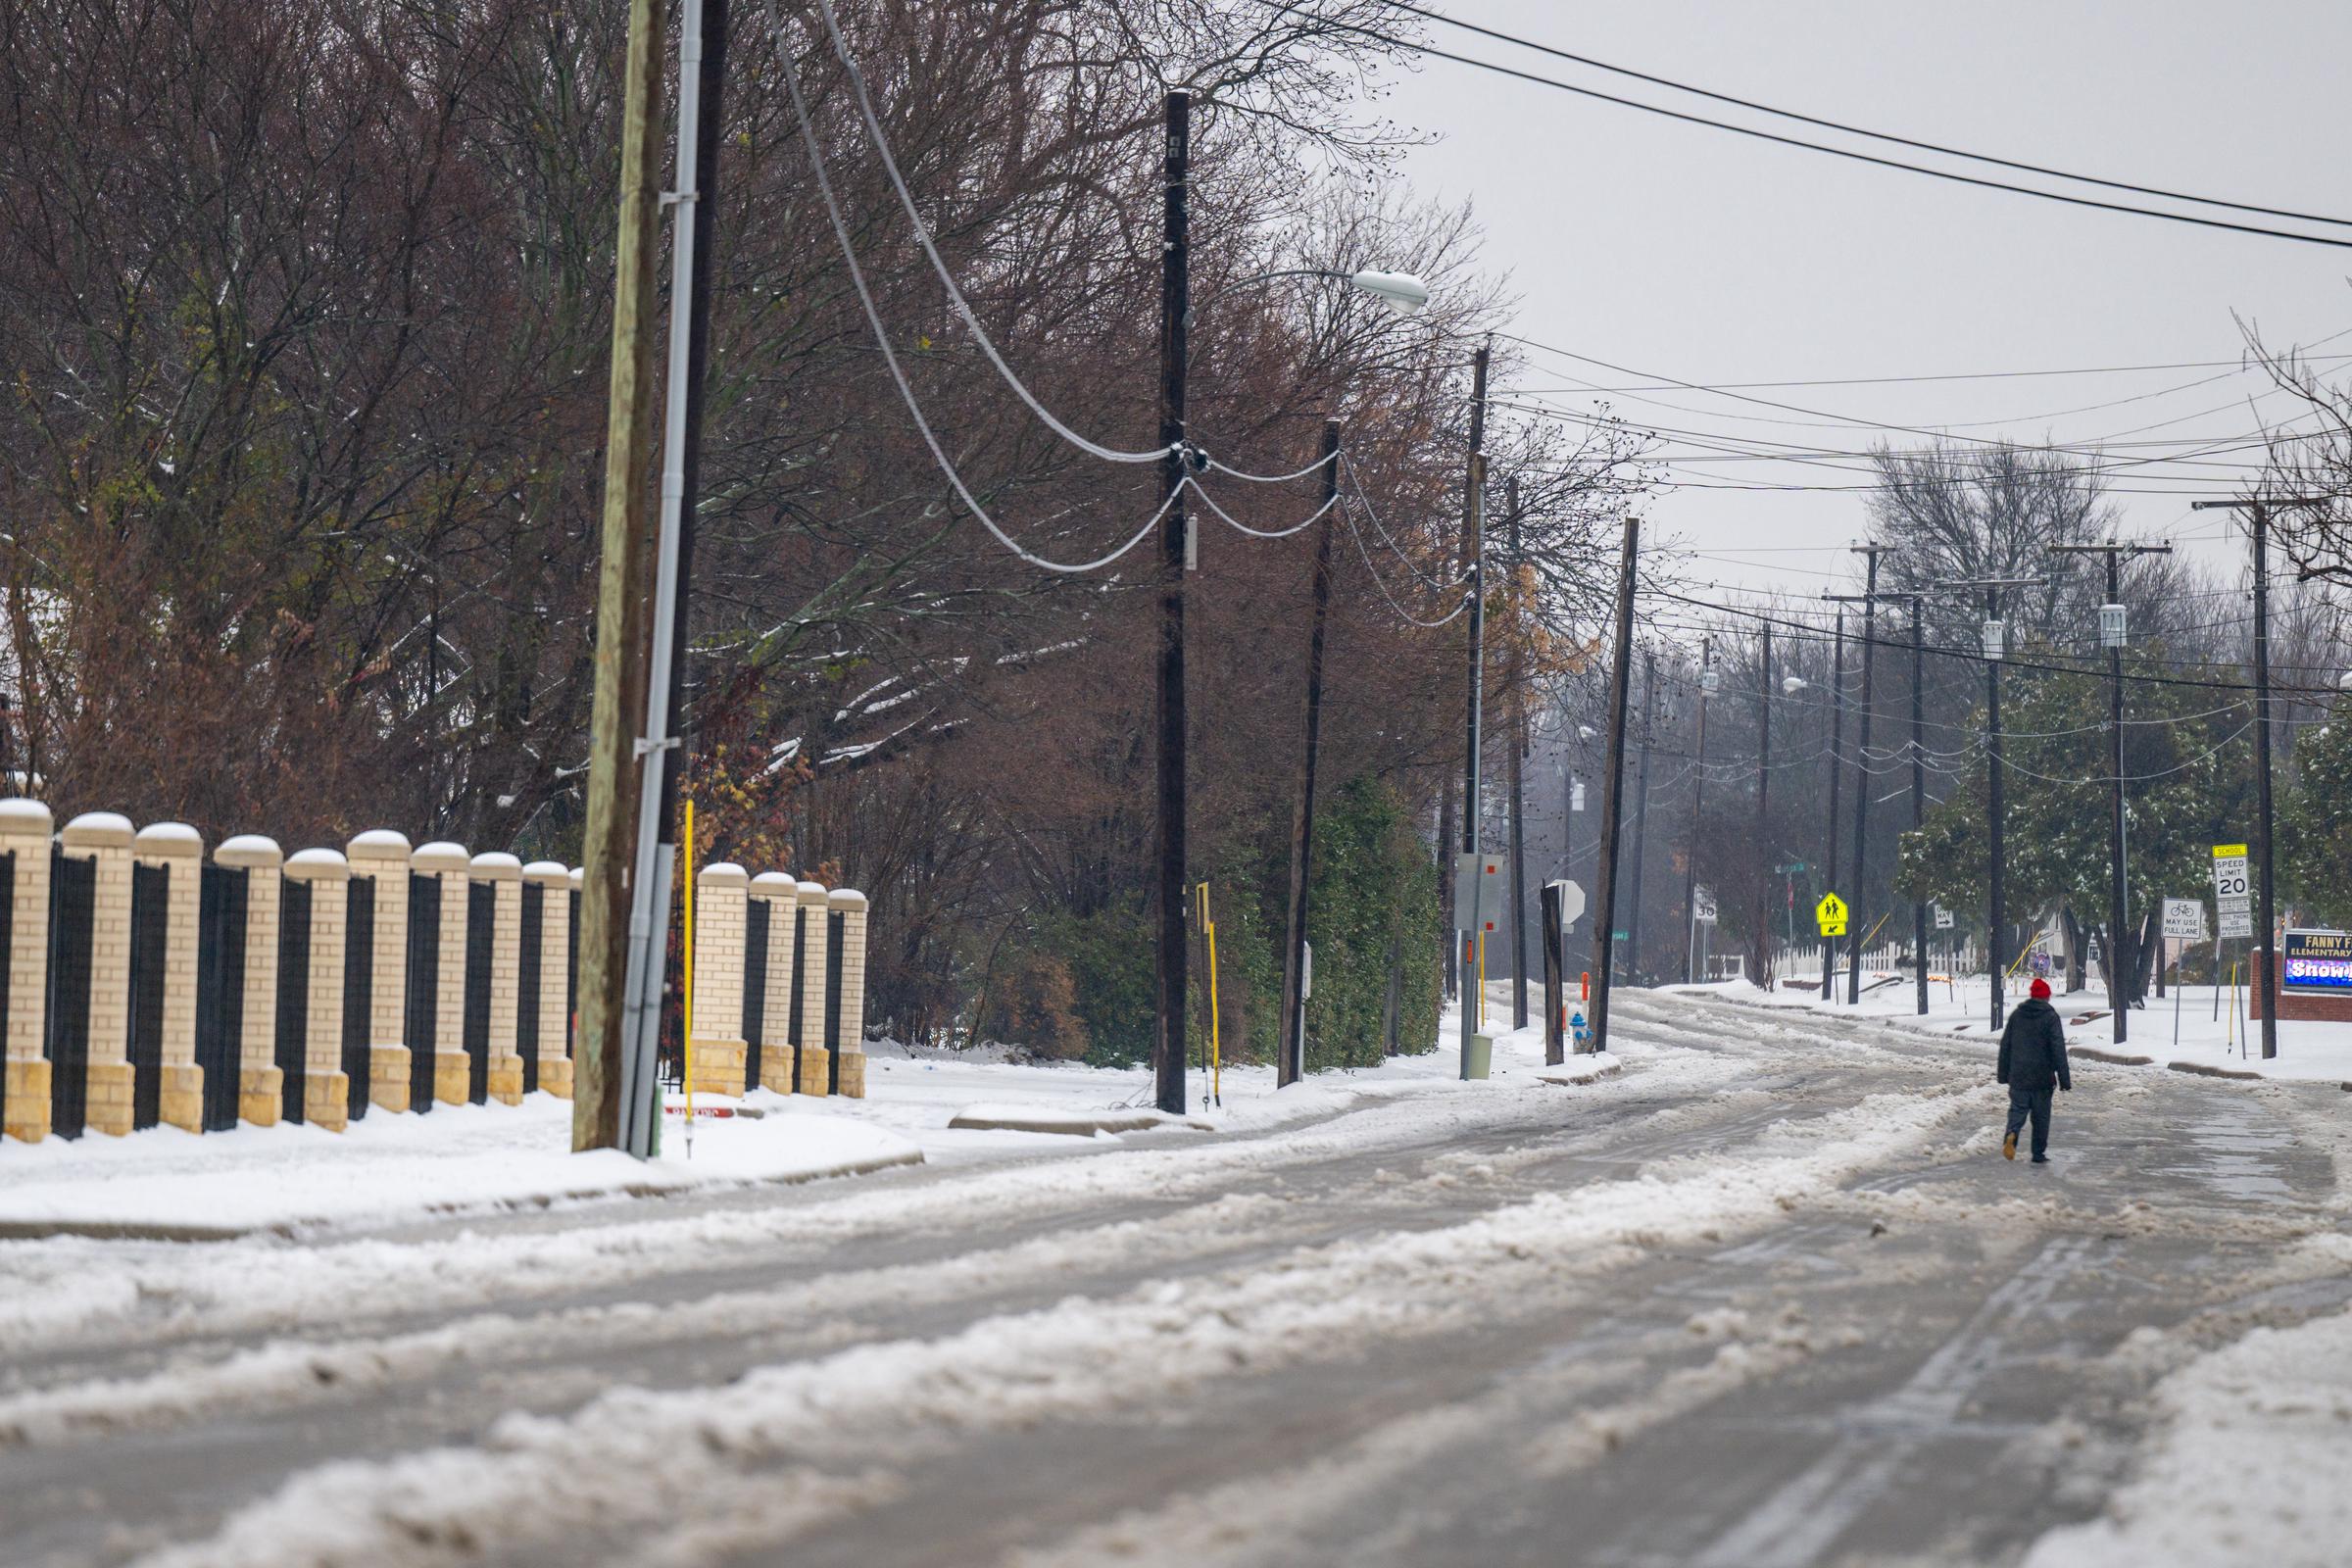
359	991
800	977
481	910
755	989
423	1003
527	983
293	996
572	972
72	914
8	953
220	905
150	947
834	924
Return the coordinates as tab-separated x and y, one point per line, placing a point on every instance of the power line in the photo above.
1857	131
1408	47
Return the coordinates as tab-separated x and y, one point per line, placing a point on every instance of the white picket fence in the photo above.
1804	958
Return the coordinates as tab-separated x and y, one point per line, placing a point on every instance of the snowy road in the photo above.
1767	1297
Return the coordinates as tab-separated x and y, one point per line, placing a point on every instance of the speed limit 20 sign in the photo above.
2232	903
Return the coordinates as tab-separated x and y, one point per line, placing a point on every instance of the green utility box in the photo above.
1482	1057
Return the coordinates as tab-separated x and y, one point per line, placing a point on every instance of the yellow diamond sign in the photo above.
1831	912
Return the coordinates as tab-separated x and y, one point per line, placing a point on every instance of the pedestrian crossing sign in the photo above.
1831	912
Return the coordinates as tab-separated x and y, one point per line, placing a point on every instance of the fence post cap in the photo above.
317	866
547	871
496	865
97	829
812	892
248	850
576	876
379	844
723	874
439	856
168	838
21	815
846	899
776	884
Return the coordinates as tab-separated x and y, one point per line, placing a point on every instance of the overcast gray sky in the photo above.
1711	257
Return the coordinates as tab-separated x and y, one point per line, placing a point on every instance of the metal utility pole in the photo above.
1291	1065
1763	931
1518	758
1870	641
619	658
1474	554
2122	956
1828	945
1649	721
2258	514
1612	793
1175	312
1699	787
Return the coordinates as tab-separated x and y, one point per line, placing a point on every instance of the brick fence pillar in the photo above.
325	1086
849	1042
553	881
381	857
179	850
816	1060
261	1081
105	838
451	1073
781	894
24	833
721	893
504	874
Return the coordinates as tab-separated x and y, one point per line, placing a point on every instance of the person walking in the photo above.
2034	1065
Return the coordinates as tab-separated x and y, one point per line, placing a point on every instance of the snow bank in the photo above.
167	1183
2274	1413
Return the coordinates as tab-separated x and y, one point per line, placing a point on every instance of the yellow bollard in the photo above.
1217	1045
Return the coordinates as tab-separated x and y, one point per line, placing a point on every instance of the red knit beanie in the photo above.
2040	989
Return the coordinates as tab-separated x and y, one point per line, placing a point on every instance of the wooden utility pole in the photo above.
1855	904
1829	946
1175	313
1762	936
1518	758
1650	724
1474	561
1612	793
619	668
1291	1066
1698	790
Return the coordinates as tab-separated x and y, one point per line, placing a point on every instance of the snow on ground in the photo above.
1961	1013
2249	1467
387	1168
1078	1358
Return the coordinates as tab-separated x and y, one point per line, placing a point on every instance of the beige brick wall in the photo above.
504	874
722	900
813	984
782	896
176	847
851	907
382	857
25	827
329	880
105	838
261	860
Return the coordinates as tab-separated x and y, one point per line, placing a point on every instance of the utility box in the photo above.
2112	623
1480	1057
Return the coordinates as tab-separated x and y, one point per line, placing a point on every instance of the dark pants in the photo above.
2033	1103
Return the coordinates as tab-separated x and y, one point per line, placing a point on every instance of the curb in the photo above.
2095	1054
2202	1070
1111	1121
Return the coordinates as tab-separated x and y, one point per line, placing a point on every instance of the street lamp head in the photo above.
1791	685
1585	732
2343	682
1402	292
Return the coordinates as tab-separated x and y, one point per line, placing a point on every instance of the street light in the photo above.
1791	685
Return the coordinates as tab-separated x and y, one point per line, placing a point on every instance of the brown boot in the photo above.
2009	1147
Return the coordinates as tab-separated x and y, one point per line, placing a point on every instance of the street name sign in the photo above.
1831	913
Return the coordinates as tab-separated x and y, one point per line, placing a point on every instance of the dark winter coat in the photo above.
2033	1049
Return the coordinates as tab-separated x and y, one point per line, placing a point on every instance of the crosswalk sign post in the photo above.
1830	912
